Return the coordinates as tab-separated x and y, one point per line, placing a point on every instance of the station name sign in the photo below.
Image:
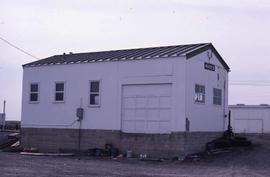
209	66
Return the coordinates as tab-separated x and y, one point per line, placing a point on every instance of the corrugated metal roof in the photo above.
119	55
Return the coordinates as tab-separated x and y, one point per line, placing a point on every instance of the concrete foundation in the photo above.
154	145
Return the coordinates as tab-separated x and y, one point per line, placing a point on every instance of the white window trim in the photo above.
89	93
216	97
197	102
54	92
29	95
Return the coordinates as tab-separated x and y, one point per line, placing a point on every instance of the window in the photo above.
94	93
199	93
59	91
217	96
34	92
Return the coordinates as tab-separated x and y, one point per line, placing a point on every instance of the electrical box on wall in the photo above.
79	113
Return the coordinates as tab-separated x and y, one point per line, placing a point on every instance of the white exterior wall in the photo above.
113	75
250	119
206	116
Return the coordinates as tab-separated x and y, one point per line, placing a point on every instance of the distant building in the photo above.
159	100
250	118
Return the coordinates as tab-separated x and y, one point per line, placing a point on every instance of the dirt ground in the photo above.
247	162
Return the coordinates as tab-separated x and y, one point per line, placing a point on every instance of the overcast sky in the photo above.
238	29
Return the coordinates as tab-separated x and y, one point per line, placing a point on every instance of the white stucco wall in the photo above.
48	114
206	116
182	74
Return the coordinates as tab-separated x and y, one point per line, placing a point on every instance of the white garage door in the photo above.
248	125
146	108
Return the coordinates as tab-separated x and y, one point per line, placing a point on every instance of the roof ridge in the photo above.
124	49
123	54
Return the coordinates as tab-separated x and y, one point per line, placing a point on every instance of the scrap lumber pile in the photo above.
10	142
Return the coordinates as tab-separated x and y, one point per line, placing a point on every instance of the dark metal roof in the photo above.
128	54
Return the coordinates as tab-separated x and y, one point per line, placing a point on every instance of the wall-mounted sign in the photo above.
209	66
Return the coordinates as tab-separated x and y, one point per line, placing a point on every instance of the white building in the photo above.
250	118
145	100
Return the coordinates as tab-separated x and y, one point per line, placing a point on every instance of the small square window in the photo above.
59	91
94	99
34	87
33	97
94	93
34	92
59	96
95	86
217	96
59	87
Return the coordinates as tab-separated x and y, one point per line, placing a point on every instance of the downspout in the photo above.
187	127
224	105
80	118
79	136
225	114
4	114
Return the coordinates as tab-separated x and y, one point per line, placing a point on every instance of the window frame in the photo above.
99	94
30	92
204	94
64	90
219	97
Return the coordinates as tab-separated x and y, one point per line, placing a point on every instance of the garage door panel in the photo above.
129	102
164	127
163	89
141	102
141	114
153	114
165	114
153	127
153	102
254	126
128	126
165	102
140	126
248	125
129	114
152	107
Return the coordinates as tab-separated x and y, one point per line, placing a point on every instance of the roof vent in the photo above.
64	53
240	105
70	53
264	104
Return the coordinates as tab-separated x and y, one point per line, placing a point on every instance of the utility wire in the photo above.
251	84
250	81
21	50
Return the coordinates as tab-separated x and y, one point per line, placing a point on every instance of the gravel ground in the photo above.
245	162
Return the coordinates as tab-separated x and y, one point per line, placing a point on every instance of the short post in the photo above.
4	115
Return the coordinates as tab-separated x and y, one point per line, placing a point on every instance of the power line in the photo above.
21	50
252	81
251	84
265	83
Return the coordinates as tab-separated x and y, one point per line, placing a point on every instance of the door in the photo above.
146	108
248	125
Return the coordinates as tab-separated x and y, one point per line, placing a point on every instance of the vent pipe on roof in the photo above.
264	104
240	104
70	53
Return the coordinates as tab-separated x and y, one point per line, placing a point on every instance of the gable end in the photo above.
205	48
